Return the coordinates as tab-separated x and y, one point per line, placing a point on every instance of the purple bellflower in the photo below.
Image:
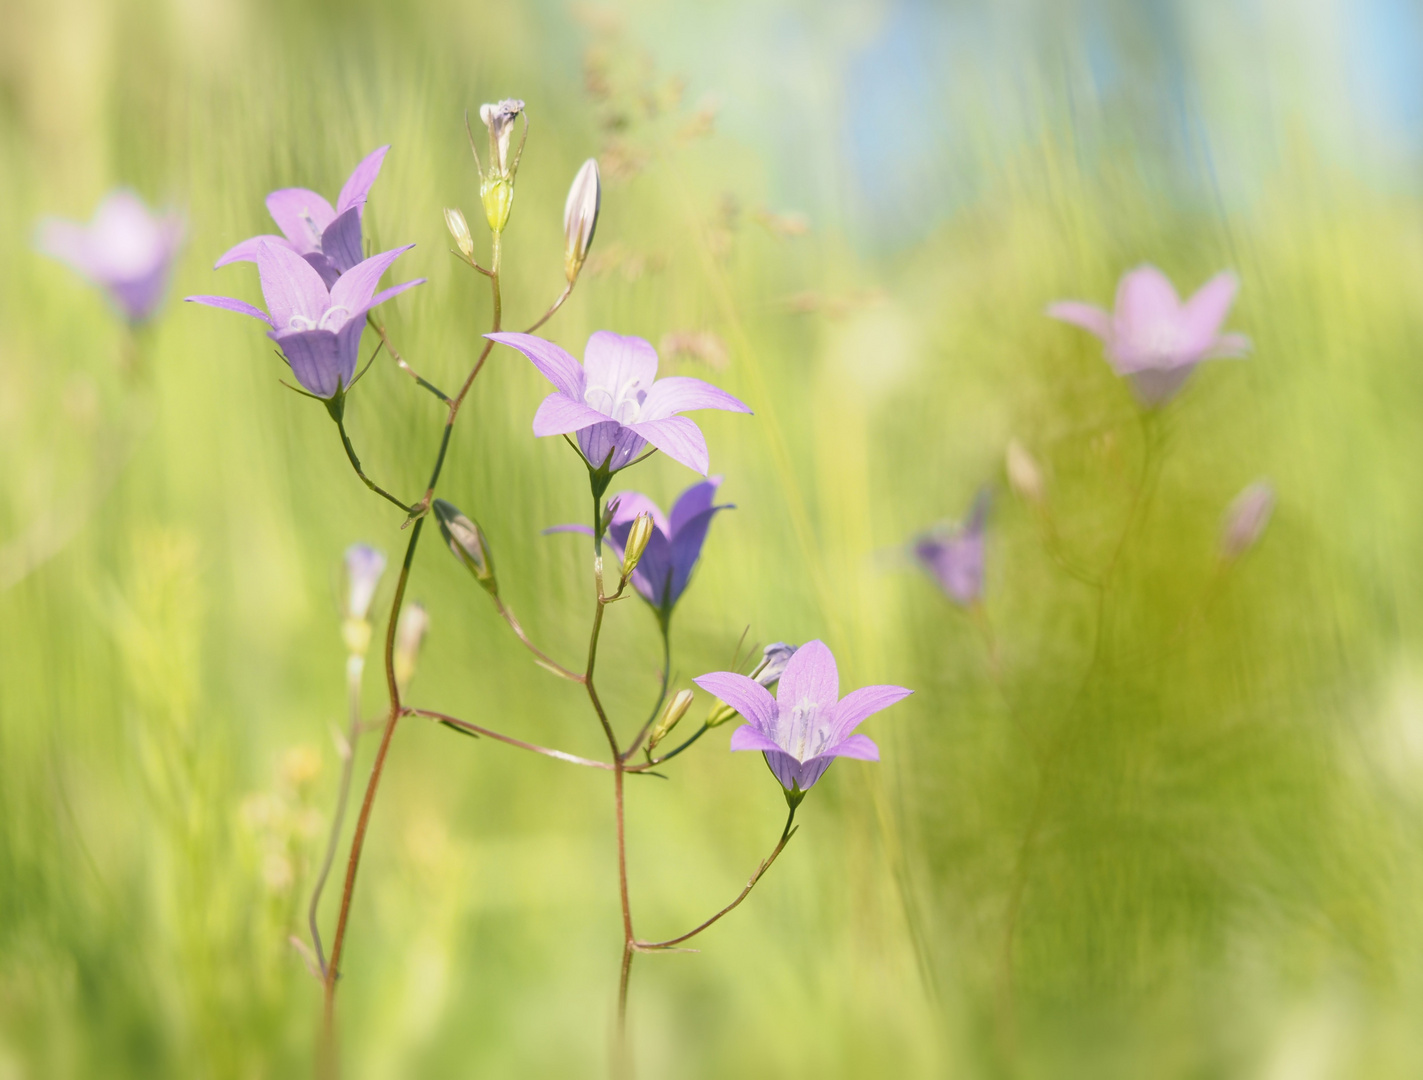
1154	339
615	402
326	237
954	555
674	547
318	330
126	250
807	725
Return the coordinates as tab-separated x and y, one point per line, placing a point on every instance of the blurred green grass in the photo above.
1223	877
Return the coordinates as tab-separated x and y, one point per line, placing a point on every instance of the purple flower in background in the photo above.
126	250
329	239
615	402
318	330
807	725
676	543
1246	518
1152	338
954	555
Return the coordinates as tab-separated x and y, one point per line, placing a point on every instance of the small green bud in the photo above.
638	536
466	540
676	709
497	194
459	229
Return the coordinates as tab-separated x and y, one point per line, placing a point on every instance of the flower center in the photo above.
300	322
807	735
622	402
335	317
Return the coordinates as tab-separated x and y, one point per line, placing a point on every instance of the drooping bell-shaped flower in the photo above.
615	403
126	250
1152	338
807	725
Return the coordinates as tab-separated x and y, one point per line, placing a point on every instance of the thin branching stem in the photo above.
547	315
786	834
356	464
420	380
476	729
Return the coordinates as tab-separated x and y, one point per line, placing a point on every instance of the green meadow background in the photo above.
1168	828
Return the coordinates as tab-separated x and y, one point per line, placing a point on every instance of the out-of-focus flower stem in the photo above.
328	1062
355	668
786	834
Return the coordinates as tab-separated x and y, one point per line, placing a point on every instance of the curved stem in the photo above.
547	315
355	667
786	834
475	729
356	464
400	361
671	753
661	695
540	657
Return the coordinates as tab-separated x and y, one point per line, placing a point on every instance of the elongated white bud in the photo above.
459	229
676	709
638	536
1246	518
580	218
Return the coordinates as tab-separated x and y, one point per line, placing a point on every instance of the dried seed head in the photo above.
499	118
580	218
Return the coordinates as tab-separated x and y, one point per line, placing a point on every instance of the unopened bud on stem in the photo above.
1024	475
496	189
459	229
676	709
409	636
580	218
1246	518
466	540
638	536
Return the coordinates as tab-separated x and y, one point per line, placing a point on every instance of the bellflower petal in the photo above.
610	444
296	296
679	438
246	251
229	304
388	294
1089	317
554	364
810	677
559	414
746	696
1202	315
356	286
341	240
678	393
860	747
358	184
686	548
955	555
315	359
302	216
696	500
859	704
747	737
1153	388
614	362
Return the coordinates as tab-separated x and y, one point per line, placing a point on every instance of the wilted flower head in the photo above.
126	250
318	330
499	118
674	545
807	725
364	566
409	636
954	555
1246	518
580	218
616	403
1153	338
329	239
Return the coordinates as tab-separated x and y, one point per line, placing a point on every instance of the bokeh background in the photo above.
1167	829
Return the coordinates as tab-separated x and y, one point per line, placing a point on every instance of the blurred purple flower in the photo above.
676	543
616	403
329	239
318	331
1152	338
807	725
364	566
954	555
1246	518
126	250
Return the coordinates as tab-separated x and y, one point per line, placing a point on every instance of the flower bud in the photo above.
459	229
1024	475
638	536
466	540
364	565
580	218
774	659
496	189
676	709
409	636
1246	518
